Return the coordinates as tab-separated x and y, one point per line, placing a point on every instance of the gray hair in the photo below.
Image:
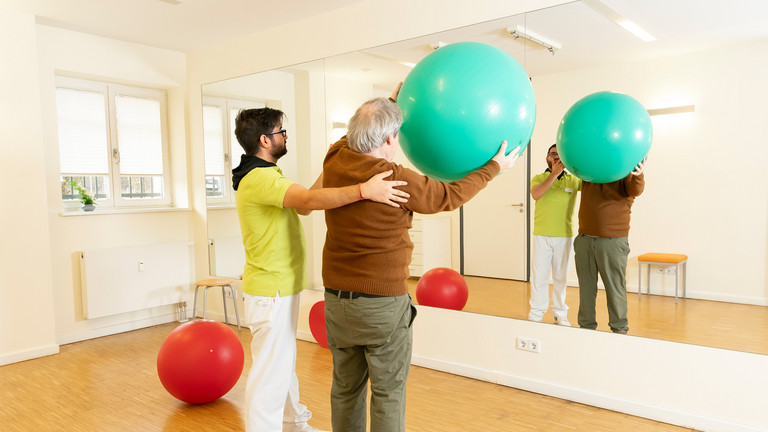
372	124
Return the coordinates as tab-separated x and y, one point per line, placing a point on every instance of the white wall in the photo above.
704	193
76	54
24	252
666	381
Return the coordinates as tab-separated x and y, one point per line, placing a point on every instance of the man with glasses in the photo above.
365	268
275	269
554	191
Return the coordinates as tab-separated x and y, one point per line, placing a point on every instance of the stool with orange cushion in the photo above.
662	259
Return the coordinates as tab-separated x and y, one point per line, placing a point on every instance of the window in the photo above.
112	143
222	151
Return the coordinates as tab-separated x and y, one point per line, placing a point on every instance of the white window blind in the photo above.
213	139
82	131
139	135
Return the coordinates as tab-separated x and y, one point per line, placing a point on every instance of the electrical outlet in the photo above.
528	344
667	270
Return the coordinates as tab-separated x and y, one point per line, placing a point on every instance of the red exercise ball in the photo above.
200	361
442	287
317	323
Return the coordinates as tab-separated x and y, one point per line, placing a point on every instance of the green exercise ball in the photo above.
459	103
604	136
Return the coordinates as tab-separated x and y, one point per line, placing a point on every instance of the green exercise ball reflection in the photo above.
604	136
459	103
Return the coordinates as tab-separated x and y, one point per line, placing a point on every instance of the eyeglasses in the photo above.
553	154
281	131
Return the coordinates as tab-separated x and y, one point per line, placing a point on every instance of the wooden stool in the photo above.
224	283
663	259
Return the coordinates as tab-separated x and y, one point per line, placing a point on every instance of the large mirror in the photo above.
691	204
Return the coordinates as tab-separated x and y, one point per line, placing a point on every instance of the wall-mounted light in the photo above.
338	130
522	32
682	109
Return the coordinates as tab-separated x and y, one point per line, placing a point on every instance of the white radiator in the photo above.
226	256
126	279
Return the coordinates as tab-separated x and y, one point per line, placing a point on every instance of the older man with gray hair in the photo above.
367	251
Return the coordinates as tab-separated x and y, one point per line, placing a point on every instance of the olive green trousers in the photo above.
606	257
370	339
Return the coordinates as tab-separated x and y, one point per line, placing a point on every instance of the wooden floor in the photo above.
110	384
730	326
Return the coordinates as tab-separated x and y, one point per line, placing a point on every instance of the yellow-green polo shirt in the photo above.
553	215
275	251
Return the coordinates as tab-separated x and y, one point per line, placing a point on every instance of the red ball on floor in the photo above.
442	287
200	361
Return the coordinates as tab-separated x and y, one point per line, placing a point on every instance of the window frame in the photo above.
110	91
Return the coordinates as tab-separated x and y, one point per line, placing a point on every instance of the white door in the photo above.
495	227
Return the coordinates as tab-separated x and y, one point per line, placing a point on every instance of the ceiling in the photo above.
181	25
586	34
588	37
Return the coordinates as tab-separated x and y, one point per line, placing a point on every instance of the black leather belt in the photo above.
350	294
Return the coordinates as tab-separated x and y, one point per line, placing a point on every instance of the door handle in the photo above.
521	205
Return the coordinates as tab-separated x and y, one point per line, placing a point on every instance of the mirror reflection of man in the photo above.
268	205
602	246
555	193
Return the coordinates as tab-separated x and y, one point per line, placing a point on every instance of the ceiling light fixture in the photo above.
636	30
522	32
436	45
606	11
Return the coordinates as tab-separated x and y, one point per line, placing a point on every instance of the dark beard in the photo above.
278	153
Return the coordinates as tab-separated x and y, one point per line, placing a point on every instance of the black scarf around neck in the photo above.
247	163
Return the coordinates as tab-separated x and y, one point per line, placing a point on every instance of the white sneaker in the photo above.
307	428
563	321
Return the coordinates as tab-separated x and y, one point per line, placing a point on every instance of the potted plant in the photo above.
87	200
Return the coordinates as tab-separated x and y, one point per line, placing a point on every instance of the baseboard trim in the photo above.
305	336
696	295
20	356
64	339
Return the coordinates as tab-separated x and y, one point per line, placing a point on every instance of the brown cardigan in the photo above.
605	207
367	247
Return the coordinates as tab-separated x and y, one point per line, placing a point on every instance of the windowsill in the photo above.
113	211
223	206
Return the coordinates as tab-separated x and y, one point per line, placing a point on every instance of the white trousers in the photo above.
550	255
272	389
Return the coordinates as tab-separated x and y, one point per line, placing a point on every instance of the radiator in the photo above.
226	256
126	279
